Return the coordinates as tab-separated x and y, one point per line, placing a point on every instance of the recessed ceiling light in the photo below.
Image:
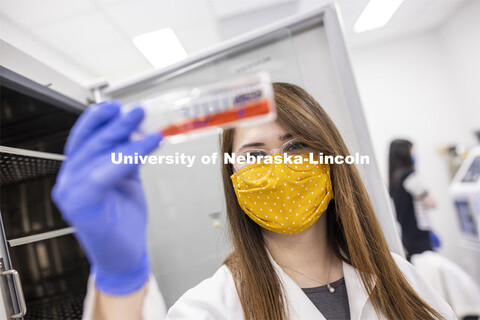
161	47
376	14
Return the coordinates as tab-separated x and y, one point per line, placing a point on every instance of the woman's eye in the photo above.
295	146
256	154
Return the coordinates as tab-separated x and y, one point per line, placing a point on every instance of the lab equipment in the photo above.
105	202
246	99
38	253
465	191
465	195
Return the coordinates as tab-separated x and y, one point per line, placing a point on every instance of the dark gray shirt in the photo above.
333	306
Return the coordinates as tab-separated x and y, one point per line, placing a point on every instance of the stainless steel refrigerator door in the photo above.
12	302
307	50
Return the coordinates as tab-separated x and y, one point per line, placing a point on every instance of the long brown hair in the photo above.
353	230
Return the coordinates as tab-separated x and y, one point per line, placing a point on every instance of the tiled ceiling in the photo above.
90	39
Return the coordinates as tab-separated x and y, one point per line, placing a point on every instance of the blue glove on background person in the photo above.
435	241
105	202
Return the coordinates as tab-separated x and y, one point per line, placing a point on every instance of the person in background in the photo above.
413	203
411	198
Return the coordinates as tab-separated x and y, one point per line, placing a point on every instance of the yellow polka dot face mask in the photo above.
287	199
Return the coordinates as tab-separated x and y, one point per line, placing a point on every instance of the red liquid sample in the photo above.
261	107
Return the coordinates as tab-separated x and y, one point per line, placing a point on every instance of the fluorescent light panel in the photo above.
376	14
161	47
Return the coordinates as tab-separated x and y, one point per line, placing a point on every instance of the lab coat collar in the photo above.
357	294
301	307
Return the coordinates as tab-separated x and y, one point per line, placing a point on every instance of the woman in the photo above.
333	253
411	198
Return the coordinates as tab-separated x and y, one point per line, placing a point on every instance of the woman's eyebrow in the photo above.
285	137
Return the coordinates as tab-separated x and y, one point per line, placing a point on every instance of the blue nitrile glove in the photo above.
435	240
105	202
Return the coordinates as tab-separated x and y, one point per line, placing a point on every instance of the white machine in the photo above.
465	194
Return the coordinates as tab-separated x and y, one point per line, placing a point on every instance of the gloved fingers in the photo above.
93	118
110	174
116	132
87	184
120	130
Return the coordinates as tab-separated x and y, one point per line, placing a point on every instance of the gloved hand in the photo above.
103	201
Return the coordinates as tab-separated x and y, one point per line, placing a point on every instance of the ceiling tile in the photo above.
34	13
117	62
146	16
97	34
413	16
83	34
198	36
227	8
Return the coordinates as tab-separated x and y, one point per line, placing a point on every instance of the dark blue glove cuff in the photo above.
126	282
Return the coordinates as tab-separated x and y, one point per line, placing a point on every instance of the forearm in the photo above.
428	201
119	307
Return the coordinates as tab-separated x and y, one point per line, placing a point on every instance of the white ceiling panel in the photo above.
83	34
33	13
198	36
140	17
24	40
95	36
227	8
115	2
118	62
413	16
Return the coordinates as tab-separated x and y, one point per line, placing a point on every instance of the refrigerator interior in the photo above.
41	247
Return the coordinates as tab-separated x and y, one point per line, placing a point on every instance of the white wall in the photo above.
459	42
423	88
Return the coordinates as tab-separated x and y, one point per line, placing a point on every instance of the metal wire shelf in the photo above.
19	165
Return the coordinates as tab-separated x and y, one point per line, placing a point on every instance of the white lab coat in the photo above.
216	297
453	284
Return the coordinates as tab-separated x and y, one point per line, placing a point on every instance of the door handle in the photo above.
19	292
